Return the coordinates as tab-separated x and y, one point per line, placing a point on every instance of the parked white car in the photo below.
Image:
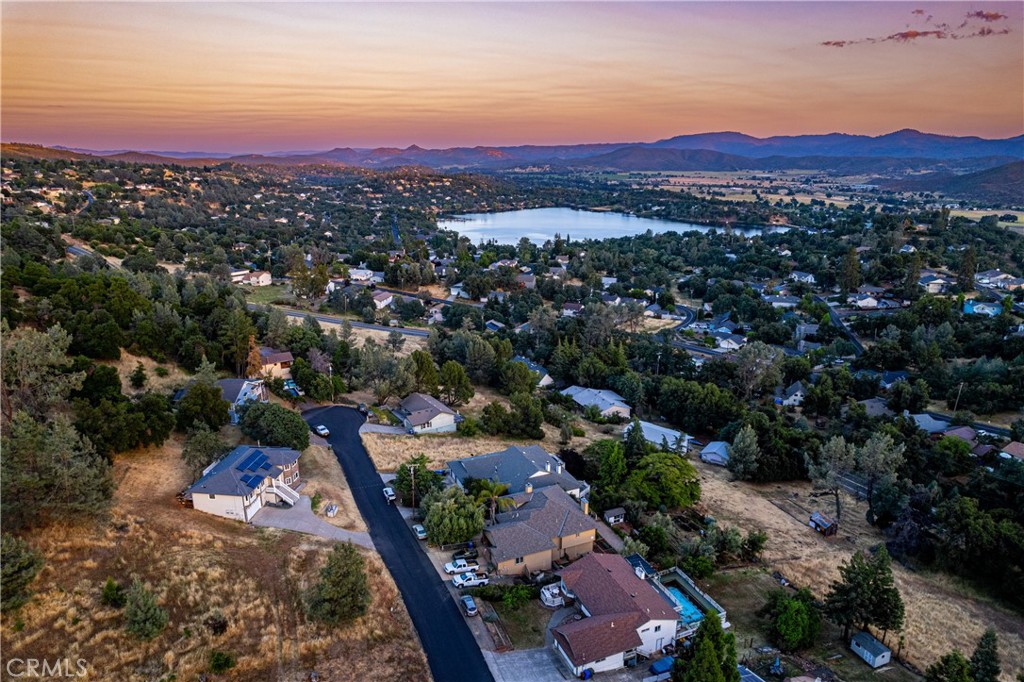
460	566
470	580
321	430
421	532
389	494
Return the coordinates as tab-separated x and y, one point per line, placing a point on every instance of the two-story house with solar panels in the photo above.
244	480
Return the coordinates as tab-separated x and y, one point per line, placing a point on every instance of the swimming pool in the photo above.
690	613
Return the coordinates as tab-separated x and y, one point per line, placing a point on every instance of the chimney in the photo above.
558	469
547	466
529	488
585	505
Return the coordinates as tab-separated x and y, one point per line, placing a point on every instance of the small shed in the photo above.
716	452
870	649
823	524
615	516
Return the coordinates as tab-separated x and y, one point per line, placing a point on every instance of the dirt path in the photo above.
941	612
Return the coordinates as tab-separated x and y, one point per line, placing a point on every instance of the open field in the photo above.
322	474
176	377
941	612
742	592
978	215
265	295
197	564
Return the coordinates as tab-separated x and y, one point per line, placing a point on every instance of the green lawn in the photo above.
526	625
264	295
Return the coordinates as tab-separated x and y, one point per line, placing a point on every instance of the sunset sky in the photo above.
304	76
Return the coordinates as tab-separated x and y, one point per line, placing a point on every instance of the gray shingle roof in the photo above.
271	356
515	466
602	398
420	408
548	513
243	469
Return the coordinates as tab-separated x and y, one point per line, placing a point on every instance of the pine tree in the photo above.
849	277
138	376
744	454
985	659
342	593
952	667
143	616
636	444
965	273
886	610
113	594
456	388
704	667
19	564
847	602
715	654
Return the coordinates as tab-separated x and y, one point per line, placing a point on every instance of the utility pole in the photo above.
955	404
412	469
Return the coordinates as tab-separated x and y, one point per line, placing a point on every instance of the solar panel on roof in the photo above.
246	463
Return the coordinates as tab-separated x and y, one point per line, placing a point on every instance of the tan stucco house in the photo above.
544	526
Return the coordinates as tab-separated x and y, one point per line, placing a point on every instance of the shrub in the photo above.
161	371
216	622
314	502
342	593
113	594
221	661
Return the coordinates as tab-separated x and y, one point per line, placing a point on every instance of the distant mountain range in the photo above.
1001	185
895	156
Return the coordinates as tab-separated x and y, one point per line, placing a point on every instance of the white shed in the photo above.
870	649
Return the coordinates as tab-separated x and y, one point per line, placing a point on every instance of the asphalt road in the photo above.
452	652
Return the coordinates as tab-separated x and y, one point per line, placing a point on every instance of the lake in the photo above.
540	224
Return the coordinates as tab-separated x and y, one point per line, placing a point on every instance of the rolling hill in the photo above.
1001	185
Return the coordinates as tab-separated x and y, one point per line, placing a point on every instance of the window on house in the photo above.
519	560
213	497
657	628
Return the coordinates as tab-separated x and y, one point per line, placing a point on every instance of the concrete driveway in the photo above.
528	665
301	519
382	428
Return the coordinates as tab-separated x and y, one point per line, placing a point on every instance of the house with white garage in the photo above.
669	440
608	403
799	276
239	484
260	278
794	395
624	615
422	413
383	299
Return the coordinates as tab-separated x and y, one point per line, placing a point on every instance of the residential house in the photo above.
862	301
803	330
799	276
608	281
934	284
975	307
608	403
928	423
383	299
614	516
527	281
1014	450
908	248
727	341
238	275
544	526
545	378
992	277
239	484
519	467
435	315
876	407
715	452
239	392
571	309
794	395
669	440
889	378
276	363
260	278
421	413
625	615
964	433
1012	284
785	302
805	346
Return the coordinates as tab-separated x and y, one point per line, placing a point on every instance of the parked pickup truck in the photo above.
460	566
470	580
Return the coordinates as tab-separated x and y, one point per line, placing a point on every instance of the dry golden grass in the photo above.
196	563
941	613
323	474
176	378
653	325
389	451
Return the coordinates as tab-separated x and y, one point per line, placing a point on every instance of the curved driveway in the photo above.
452	652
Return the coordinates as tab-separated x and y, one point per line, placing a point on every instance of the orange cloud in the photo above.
937	31
986	16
